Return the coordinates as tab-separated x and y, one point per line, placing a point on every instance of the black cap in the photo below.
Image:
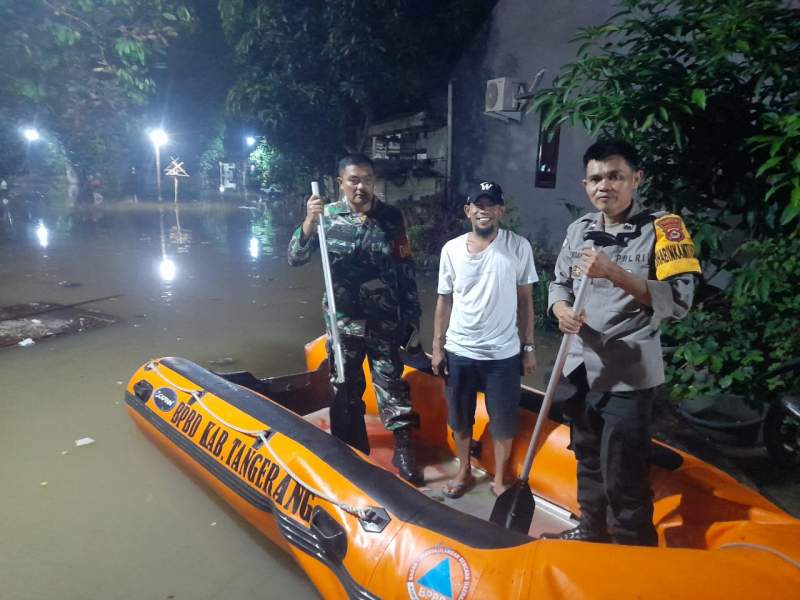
486	189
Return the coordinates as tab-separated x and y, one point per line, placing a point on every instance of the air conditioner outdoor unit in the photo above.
501	94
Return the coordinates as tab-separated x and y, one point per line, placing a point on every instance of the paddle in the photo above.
514	508
347	419
338	356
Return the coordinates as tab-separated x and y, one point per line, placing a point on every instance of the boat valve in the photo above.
374	519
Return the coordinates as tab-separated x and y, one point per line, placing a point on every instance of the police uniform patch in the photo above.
576	271
672	227
674	251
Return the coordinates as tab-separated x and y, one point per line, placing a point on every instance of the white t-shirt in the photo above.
483	322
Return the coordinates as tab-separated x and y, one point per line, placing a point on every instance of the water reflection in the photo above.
42	234
185	278
182	238
167	269
166	266
262	229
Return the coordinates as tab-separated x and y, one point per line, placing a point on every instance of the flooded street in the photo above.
112	517
116	518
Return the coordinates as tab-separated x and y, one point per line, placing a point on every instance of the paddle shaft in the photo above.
60	307
338	355
561	358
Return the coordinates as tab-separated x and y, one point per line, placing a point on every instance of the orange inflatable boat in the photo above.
360	532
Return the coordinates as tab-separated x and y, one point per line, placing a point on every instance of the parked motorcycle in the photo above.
782	431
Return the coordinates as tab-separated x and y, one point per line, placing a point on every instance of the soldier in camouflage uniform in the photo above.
376	302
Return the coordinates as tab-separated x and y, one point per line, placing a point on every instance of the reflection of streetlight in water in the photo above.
262	235
254	247
167	269
182	238
42	234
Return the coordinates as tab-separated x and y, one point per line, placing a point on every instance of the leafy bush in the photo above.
754	326
709	93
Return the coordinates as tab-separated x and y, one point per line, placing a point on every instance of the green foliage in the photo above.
79	68
211	157
275	171
782	169
691	84
12	151
753	327
545	267
709	93
316	73
426	245
511	219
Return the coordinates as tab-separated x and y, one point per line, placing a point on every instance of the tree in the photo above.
317	73
709	92
81	68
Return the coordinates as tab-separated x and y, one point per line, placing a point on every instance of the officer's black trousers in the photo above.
610	434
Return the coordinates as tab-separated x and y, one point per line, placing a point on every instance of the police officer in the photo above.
642	272
376	301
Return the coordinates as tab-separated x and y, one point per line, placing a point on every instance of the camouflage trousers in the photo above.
391	391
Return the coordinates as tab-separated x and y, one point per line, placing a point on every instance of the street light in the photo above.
249	142
31	134
159	138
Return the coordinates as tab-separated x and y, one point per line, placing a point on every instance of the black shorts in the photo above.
499	380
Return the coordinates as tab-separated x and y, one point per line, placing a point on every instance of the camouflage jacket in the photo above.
371	263
620	342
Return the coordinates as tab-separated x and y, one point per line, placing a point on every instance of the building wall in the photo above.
411	187
522	37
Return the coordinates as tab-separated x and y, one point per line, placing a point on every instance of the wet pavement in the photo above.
113	518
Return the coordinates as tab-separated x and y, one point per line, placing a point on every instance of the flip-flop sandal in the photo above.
456	490
494	490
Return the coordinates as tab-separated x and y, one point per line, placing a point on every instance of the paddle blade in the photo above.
514	508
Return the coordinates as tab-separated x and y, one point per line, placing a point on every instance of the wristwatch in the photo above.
528	347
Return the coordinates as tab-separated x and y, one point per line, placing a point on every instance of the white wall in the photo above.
522	37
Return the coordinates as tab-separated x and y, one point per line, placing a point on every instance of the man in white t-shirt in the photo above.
483	329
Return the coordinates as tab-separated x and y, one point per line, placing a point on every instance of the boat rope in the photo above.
772	551
364	513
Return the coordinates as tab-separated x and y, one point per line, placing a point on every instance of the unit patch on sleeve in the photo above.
402	247
674	252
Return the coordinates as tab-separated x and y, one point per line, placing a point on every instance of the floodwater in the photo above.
116	519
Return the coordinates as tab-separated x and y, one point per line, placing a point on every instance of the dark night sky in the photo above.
191	89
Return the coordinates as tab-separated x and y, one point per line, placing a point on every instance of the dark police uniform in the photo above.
615	364
375	290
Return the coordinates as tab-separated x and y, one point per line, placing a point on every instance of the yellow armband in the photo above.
674	252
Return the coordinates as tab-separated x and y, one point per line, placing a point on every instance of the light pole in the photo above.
159	138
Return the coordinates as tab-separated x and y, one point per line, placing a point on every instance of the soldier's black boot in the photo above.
404	458
581	533
347	424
